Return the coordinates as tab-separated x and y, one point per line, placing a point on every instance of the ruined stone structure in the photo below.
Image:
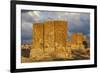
49	38
78	37
49	42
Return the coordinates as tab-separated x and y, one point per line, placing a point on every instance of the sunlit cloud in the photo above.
34	13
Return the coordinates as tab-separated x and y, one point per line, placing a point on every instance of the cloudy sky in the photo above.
77	22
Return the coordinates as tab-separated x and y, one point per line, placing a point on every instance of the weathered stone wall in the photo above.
37	40
60	38
49	46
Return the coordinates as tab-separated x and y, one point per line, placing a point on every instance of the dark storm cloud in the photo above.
83	25
26	17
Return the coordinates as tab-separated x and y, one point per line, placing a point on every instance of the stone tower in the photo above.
37	40
60	38
49	39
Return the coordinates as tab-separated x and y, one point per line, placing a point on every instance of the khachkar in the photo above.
49	40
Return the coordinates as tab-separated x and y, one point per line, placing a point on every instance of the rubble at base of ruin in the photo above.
49	43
